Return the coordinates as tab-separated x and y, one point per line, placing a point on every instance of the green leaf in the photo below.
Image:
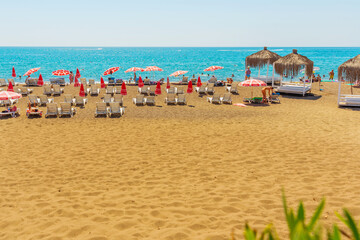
301	213
316	215
249	234
352	225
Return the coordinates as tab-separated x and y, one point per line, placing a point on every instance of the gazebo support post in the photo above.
339	92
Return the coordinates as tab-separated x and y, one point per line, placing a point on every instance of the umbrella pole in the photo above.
259	72
273	76
339	93
267	71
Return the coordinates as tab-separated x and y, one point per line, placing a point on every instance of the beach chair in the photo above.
31	82
51	110
179	90
117	90
171	90
194	81
150	100
110	90
115	110
111	82
94	90
232	89
215	99
3	82
12	114
24	91
184	80
33	99
139	100
212	80
91	82
66	110
227	98
201	90
170	99
83	81
181	99
144	90
43	100
57	91
146	81
12	81
152	90
47	90
101	109
79	101
118	98
274	98
118	82
210	89
33	112
107	99
68	98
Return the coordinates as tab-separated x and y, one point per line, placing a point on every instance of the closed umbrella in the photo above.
76	84
40	80
190	87
82	91
167	83
123	89
10	87
13	74
199	82
158	88
140	83
77	75
102	83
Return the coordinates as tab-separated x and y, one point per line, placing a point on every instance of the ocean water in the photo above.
93	61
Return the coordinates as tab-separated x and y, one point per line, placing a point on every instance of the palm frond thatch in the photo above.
350	70
292	63
261	58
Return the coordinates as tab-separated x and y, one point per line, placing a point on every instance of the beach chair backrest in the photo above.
150	99
109	89
139	99
118	98
152	89
182	98
43	99
216	97
2	82
32	99
91	81
94	89
65	107
24	90
227	97
107	98
233	87
180	90
47	89
185	79
57	88
12	81
83	81
212	80
171	90
171	97
202	88
51	108
101	107
144	90
147	81
115	107
117	90
79	100
68	98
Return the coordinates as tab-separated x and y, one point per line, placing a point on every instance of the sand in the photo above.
177	172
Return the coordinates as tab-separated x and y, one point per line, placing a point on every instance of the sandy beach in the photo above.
177	172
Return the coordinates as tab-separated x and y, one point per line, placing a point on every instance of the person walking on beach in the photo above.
331	74
247	73
71	77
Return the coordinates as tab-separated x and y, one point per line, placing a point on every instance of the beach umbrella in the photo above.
102	83
152	69
82	91
111	70
10	87
350	71
314	69
6	95
140	83
76	84
13	74
199	82
167	83
77	75
158	88
213	68
133	69
177	73
262	58
292	63
31	71
40	80
252	83
190	87
61	72
123	89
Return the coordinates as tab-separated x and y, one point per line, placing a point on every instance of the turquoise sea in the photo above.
93	61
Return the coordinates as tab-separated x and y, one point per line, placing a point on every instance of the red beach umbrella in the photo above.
82	91
158	88
102	83
61	72
40	81
6	95
252	83
123	89
177	73
31	71
133	69
199	82
168	83
140	83
13	74
10	87
190	87
76	84
151	69
77	75
111	70
213	68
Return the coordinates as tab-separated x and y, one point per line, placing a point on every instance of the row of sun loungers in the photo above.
3	82
114	109
55	90
172	99
65	109
108	98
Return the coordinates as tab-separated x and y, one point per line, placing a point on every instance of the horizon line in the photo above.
194	46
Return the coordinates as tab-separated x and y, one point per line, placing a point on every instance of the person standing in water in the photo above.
331	75
247	73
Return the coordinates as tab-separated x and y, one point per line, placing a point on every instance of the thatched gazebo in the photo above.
350	71
292	63
262	58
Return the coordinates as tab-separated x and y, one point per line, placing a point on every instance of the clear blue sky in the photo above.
222	23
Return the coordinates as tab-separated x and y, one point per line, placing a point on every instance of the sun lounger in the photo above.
144	90
33	112
43	100
118	98
12	81
215	99
212	80
94	90
83	81
170	99
255	100
184	81
79	101
171	90
25	91
3	82
210	89
150	100
274	98
57	90
66	110
118	82
57	81
179	90
146	81
107	99
227	98
139	100
201	90
91	82
349	100
47	90
31	82
101	109
233	88
51	110
117	90
33	99
110	90
181	99
13	114
68	98
152	90
115	110
8	102
193	80
111	82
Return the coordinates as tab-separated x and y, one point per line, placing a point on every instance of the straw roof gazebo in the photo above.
350	70
292	63
261	58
